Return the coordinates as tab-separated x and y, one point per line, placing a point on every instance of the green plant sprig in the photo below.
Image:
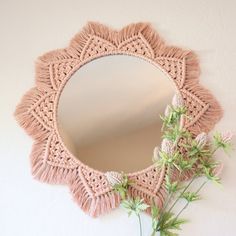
184	154
198	159
131	205
122	187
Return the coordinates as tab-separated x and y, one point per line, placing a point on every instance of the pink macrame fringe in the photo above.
43	171
26	120
86	199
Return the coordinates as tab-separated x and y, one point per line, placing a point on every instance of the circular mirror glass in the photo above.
108	112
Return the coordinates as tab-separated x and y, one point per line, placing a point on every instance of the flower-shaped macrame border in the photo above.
37	112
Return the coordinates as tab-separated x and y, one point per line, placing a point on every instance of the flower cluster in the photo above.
180	152
183	152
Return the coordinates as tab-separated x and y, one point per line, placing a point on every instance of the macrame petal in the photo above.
140	39
92	192
149	185
94	39
52	75
35	112
95	47
48	161
138	45
203	109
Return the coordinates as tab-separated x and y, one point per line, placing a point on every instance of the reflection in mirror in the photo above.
108	113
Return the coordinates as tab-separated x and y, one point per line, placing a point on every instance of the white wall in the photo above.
30	28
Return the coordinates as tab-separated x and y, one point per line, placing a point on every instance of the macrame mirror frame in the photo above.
53	163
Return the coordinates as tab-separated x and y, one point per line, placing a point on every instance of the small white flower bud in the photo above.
156	154
218	169
201	140
114	177
167	111
177	101
167	146
227	137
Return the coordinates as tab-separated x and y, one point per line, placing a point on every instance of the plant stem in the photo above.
213	151
168	198
175	202
186	205
181	194
153	233
140	225
170	195
168	171
166	203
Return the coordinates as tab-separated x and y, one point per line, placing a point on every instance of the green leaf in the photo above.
136	205
154	210
154	224
170	222
127	204
130	213
220	142
172	187
168	233
191	196
187	164
166	217
122	188
209	174
140	205
154	213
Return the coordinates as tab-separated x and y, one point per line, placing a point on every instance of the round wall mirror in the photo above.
108	113
96	106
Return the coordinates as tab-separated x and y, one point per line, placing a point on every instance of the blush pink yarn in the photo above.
37	112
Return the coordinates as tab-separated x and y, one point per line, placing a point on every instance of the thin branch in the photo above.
140	225
181	194
186	205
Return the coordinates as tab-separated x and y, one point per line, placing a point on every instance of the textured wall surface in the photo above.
30	28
